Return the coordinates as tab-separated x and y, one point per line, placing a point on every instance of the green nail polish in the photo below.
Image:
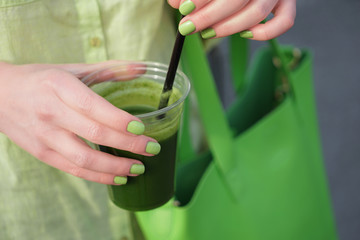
153	148
137	169
186	28
246	34
208	33
120	180
136	127
186	7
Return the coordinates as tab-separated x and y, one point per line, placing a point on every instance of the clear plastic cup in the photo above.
140	95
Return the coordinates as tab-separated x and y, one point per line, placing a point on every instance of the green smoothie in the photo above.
151	189
155	187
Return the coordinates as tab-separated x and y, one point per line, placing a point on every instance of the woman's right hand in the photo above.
221	18
45	109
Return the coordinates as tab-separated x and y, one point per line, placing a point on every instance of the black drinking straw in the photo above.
170	76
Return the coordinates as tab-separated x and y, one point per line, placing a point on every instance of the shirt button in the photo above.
95	42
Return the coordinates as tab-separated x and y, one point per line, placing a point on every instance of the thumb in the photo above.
113	70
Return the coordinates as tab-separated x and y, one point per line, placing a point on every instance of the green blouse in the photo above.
36	200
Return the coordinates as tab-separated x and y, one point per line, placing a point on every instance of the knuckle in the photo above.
52	77
288	23
239	4
76	171
265	35
52	72
205	19
95	132
85	103
45	111
260	11
41	134
82	160
131	146
41	154
104	178
173	3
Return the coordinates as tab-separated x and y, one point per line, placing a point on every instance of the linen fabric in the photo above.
36	200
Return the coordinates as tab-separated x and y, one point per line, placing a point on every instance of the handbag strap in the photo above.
280	62
239	51
213	117
216	126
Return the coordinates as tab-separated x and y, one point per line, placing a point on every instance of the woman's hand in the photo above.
220	18
45	109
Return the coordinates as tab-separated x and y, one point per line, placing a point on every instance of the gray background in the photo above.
330	28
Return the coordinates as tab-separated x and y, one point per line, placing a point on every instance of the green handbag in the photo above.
263	176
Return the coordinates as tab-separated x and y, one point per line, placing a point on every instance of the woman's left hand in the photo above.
220	18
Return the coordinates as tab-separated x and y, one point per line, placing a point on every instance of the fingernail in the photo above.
186	7
136	127
153	148
246	34
137	169
186	28
120	180
208	33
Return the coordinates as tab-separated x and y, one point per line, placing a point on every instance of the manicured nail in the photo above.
246	34
153	148
208	33
186	7
136	127
120	180
186	28
137	169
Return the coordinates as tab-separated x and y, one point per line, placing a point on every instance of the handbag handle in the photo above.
213	116
217	129
239	51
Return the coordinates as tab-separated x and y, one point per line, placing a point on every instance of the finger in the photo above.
210	14
177	3
86	102
56	160
188	6
253	13
116	72
113	70
283	20
174	3
103	135
82	155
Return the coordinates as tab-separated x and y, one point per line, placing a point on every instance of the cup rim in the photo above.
152	64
